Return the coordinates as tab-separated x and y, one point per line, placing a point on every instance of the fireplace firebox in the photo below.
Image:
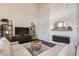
62	39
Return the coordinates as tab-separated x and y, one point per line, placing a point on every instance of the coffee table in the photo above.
35	52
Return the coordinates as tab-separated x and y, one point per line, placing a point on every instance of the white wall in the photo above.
20	14
43	22
78	21
67	13
50	13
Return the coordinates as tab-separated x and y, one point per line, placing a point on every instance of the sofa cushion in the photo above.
69	50
5	47
52	51
18	50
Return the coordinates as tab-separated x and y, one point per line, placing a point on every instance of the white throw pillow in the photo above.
5	47
6	41
69	50
14	43
1	44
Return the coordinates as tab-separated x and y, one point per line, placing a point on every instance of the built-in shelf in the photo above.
60	30
6	28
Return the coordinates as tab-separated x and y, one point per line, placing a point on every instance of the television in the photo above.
21	30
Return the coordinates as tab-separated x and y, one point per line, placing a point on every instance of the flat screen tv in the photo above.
21	30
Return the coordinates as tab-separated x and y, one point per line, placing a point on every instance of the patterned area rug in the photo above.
44	46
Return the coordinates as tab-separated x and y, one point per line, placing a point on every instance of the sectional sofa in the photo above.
11	49
8	49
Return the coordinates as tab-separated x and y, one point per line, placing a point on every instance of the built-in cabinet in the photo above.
6	28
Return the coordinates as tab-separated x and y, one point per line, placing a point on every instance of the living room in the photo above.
44	16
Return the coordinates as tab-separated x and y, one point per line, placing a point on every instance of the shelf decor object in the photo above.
69	28
61	26
33	30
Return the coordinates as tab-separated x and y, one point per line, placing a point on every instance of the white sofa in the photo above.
62	50
12	49
8	49
52	51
